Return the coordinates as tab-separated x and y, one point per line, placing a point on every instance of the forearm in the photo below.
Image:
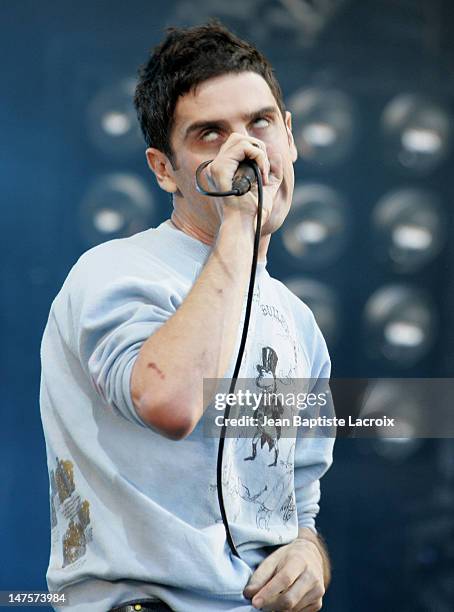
304	533
197	342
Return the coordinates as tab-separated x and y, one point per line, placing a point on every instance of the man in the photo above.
140	323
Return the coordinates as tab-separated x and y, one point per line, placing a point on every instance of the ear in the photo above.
291	142
160	165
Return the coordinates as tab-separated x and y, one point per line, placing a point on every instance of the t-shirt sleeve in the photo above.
116	316
314	452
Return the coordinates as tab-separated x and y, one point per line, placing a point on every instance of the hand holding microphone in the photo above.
232	169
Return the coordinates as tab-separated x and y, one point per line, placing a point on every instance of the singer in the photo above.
140	323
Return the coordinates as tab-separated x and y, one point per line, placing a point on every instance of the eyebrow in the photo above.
219	123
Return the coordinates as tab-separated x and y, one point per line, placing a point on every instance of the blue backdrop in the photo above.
56	56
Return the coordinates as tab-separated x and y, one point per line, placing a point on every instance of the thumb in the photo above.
276	163
276	173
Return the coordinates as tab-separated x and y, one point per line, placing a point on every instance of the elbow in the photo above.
169	419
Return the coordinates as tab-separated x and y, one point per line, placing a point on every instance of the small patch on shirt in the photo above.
70	514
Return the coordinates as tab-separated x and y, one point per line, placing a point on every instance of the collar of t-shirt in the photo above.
189	246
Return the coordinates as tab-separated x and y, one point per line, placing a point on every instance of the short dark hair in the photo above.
183	60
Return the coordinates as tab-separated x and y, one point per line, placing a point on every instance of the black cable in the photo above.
247	317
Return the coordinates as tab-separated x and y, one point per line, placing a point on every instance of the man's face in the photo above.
203	120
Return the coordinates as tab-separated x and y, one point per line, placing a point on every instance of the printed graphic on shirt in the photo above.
271	499
258	471
267	487
266	381
70	514
275	498
270	310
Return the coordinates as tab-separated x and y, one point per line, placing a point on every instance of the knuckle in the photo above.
288	603
234	137
248	146
212	171
304	567
254	143
286	580
259	142
245	142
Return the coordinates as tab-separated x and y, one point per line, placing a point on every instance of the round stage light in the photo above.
417	131
112	121
410	227
400	324
315	229
115	206
324	124
322	301
393	399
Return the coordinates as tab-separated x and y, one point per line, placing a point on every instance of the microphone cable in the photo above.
222	194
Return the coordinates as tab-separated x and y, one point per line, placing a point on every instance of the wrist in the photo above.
241	221
236	232
306	534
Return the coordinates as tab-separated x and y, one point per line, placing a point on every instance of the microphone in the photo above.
244	177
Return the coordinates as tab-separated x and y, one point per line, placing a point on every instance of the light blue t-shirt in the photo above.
135	515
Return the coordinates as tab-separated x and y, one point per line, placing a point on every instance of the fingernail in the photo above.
257	603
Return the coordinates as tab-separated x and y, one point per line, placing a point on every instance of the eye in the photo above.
261	122
210	135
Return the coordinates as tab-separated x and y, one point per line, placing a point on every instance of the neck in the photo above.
190	229
207	238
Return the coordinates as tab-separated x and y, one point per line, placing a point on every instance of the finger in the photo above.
281	581
259	155
301	593
257	152
223	167
240	140
315	607
235	137
261	576
312	598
